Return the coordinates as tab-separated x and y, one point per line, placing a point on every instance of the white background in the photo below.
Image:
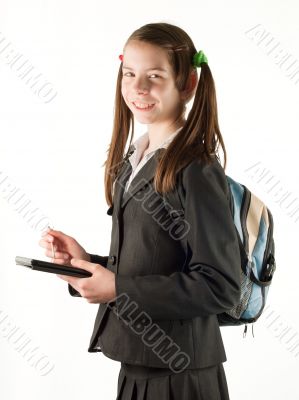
53	153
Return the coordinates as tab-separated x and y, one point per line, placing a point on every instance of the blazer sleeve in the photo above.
212	282
94	258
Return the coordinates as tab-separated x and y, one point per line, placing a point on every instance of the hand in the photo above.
98	288
65	247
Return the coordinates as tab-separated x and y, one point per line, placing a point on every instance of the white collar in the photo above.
141	144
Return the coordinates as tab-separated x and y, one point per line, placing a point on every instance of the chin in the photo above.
144	121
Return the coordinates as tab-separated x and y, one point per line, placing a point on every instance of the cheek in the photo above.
168	95
165	91
124	92
123	89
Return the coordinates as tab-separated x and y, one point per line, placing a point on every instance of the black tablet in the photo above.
53	268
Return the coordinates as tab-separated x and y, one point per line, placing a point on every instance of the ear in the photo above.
188	93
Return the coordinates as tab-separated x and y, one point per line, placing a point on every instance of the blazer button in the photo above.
112	259
110	210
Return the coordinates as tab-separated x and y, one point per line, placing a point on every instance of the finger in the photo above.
58	255
48	247
48	238
83	264
45	231
46	242
57	234
59	261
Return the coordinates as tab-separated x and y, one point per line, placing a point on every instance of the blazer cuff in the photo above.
103	260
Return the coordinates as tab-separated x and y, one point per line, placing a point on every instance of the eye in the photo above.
126	74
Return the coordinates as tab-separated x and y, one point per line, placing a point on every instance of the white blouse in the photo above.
140	145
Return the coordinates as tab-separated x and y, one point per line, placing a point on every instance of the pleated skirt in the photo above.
147	383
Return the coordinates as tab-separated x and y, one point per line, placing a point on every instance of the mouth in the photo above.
144	106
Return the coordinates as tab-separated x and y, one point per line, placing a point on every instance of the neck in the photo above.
158	135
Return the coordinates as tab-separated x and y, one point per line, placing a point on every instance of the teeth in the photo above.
141	105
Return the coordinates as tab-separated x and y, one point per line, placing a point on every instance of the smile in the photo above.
144	107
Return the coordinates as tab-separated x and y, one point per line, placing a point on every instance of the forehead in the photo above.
145	55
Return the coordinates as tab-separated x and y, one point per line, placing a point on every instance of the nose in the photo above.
142	91
140	86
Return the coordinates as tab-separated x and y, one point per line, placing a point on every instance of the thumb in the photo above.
57	234
76	262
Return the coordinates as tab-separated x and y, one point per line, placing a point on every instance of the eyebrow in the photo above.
149	69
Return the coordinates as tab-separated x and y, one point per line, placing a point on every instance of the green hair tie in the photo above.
199	58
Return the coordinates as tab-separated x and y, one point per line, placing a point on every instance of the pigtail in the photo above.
203	117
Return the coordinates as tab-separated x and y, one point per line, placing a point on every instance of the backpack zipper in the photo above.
268	255
244	211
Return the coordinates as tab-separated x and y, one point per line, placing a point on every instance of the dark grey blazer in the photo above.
164	314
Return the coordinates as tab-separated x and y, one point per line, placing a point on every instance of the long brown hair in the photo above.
200	136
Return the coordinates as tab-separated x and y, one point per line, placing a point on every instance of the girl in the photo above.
160	292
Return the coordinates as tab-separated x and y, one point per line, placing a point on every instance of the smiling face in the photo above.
148	86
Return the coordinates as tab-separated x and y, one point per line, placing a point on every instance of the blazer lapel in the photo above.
120	185
143	177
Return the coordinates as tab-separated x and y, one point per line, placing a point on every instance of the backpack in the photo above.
254	226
